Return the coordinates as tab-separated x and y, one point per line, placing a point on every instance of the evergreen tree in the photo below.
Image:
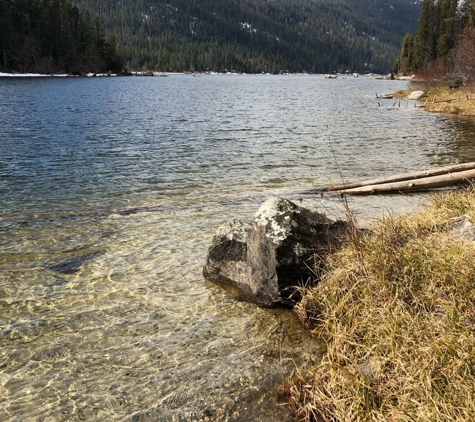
446	27
7	34
199	35
53	36
444	42
425	44
258	35
467	13
405	63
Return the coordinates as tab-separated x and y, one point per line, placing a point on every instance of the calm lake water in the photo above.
110	192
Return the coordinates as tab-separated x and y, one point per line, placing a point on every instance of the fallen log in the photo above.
447	101
445	180
385	96
406	176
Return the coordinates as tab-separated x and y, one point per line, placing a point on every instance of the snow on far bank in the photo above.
92	75
44	75
30	75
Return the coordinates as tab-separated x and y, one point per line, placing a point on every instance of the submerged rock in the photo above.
282	249
72	264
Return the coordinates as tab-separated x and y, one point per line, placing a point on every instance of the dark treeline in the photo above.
444	45
53	36
258	35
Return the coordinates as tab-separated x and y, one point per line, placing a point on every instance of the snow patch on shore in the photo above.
30	75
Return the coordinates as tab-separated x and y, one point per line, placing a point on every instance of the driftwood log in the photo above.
422	180
385	96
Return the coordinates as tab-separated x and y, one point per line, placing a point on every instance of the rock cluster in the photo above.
267	260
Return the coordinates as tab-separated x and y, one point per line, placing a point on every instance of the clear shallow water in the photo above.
110	192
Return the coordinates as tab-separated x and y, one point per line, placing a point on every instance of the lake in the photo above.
110	192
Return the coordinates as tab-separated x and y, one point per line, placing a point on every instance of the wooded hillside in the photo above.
53	36
258	35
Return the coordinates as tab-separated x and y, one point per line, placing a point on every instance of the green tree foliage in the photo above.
6	32
257	35
53	36
441	25
447	24
467	13
405	62
425	42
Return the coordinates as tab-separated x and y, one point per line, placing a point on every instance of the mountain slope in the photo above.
258	35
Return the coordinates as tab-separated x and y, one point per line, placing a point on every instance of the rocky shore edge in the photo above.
394	305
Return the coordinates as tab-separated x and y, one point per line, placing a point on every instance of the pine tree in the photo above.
405	62
425	43
446	27
7	39
53	36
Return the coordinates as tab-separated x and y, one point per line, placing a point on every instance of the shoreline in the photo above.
85	75
397	344
154	73
395	309
451	101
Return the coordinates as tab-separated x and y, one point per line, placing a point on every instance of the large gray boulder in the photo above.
283	248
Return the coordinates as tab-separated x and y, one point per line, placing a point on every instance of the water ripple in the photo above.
110	192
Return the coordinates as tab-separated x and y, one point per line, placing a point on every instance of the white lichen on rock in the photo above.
234	230
267	215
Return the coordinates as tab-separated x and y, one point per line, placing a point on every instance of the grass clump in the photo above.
443	99
396	308
402	93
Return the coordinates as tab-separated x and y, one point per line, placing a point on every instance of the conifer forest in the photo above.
249	36
443	47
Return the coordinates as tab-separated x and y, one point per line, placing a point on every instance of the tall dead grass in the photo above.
396	308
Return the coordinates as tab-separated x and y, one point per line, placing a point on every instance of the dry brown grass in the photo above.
397	311
459	101
450	101
403	93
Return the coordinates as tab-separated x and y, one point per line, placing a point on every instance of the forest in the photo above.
249	36
258	35
53	36
443	48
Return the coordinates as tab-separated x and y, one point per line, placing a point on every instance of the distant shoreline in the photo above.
85	75
52	75
59	75
162	74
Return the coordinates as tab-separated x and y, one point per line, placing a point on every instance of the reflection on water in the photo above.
460	136
110	192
